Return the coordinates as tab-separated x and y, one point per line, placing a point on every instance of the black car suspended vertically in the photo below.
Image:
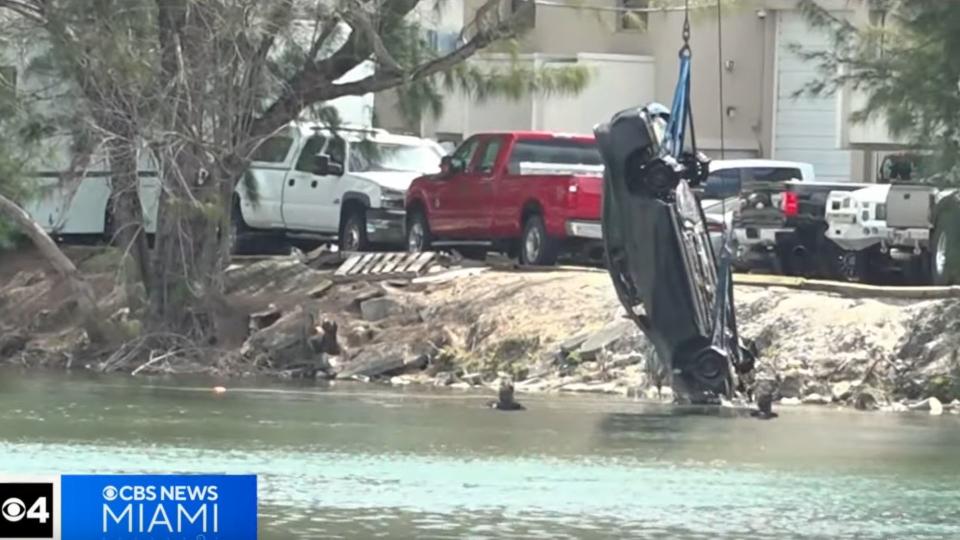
660	256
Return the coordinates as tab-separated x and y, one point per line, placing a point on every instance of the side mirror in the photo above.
324	166
450	165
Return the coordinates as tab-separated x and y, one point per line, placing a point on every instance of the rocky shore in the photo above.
556	330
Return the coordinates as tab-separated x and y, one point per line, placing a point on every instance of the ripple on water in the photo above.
310	494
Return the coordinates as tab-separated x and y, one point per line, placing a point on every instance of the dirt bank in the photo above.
554	330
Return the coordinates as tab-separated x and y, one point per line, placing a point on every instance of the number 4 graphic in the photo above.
38	510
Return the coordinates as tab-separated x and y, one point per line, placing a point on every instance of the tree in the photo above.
907	63
199	85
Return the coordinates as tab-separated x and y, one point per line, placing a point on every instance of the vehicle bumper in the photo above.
591	230
385	226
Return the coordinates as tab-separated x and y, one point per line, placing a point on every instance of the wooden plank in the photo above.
396	260
374	261
364	261
420	262
384	262
348	265
858	290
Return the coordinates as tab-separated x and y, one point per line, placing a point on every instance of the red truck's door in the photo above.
479	187
446	196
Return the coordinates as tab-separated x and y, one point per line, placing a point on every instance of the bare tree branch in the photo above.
361	23
487	32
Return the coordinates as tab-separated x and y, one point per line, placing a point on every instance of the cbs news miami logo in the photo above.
119	507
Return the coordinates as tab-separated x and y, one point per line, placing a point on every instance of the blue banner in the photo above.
171	507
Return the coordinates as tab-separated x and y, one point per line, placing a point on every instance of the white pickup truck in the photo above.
312	182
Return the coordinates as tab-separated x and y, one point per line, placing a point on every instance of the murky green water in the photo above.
359	462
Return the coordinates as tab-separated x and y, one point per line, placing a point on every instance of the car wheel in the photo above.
353	232
938	255
418	233
240	242
536	247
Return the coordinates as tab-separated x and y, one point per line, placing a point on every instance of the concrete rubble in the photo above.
550	331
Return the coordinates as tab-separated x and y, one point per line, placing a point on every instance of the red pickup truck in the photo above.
534	195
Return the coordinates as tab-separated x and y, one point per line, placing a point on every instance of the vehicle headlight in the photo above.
881	212
392	198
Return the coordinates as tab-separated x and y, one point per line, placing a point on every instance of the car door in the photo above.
477	190
300	187
446	196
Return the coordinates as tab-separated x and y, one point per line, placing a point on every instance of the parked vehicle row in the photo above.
537	197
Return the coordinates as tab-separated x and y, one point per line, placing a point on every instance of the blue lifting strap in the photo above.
680	109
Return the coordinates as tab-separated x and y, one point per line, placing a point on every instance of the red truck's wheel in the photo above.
536	247
418	233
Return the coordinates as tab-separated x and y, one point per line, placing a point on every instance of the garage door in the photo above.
806	127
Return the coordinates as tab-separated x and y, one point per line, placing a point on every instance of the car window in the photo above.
553	151
488	157
337	150
724	174
273	150
771	174
466	151
313	146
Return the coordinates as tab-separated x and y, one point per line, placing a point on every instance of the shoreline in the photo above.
551	331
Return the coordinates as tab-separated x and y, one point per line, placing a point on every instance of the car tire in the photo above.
939	245
241	242
353	231
419	238
537	248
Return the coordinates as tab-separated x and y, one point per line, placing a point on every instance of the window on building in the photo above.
878	20
433	40
631	18
8	79
527	6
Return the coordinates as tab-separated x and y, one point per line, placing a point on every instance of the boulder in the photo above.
287	340
12	342
376	309
815	399
841	391
866	399
379	360
791	385
605	338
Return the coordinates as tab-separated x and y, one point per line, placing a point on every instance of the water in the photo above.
353	461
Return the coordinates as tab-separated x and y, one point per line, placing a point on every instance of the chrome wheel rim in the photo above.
532	244
415	237
351	240
940	259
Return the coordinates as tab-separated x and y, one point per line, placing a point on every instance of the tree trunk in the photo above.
93	322
125	214
187	284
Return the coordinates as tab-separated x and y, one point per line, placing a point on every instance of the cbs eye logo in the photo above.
25	510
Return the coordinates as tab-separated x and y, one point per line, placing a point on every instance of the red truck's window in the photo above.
489	156
554	151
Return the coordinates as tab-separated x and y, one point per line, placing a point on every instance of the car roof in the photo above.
541	135
354	133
